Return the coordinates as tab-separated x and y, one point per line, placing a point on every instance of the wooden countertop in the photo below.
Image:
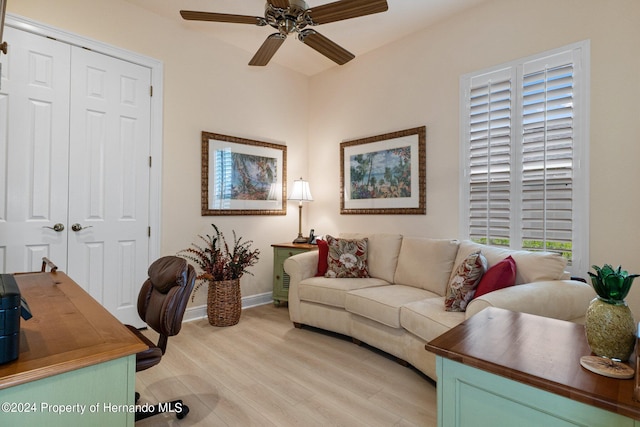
69	330
538	351
295	246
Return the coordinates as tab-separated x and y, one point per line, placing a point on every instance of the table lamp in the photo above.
300	193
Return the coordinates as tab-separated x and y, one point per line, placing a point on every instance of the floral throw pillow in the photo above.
347	258
462	286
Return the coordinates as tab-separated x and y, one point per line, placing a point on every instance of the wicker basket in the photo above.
223	302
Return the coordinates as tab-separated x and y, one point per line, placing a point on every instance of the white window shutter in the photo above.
489	157
524	144
546	154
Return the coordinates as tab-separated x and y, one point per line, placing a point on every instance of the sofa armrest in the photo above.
558	299
299	267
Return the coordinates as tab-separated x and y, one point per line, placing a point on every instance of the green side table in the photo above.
282	251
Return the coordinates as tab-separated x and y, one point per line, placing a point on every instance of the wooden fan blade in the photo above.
346	9
282	4
268	49
192	15
326	47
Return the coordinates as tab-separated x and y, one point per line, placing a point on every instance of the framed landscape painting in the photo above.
242	176
384	174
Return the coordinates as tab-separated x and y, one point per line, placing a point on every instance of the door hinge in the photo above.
149	161
149	231
150	90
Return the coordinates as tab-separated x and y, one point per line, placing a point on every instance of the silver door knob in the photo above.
57	227
78	227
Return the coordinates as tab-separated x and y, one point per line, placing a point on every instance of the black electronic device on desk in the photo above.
12	306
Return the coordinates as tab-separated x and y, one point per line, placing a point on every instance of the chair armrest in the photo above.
558	299
299	267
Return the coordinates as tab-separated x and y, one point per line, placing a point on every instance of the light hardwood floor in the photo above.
265	372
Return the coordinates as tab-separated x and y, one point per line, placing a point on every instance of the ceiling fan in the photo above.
289	16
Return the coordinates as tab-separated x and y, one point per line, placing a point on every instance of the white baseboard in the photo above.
200	312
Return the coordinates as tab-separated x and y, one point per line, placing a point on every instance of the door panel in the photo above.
74	151
34	105
109	179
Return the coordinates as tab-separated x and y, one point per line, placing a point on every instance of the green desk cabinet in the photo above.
503	368
282	251
77	362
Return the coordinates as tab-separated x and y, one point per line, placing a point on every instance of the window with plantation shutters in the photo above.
489	158
524	155
547	156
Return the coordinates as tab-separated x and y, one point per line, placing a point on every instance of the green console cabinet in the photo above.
282	251
503	368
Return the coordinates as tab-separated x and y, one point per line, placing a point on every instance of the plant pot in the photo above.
610	329
224	303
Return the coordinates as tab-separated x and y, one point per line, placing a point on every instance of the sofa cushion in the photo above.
428	319
462	286
501	275
332	292
347	258
383	303
383	250
530	266
426	263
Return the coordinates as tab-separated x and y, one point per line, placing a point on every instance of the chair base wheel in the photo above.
183	412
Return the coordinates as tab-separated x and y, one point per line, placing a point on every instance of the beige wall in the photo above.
415	82
207	86
409	83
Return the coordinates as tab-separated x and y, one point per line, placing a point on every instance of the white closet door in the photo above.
34	140
109	179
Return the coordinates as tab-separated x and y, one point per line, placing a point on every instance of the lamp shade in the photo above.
301	191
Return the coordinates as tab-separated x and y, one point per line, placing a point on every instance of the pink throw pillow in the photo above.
502	275
323	253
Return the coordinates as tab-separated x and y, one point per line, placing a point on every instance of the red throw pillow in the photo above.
323	253
502	275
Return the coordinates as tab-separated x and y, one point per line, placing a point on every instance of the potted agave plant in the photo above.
609	324
221	268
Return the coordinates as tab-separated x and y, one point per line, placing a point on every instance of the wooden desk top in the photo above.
538	351
69	330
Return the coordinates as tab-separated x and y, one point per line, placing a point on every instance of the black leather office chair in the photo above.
161	304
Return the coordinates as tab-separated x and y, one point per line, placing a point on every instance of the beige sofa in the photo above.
400	307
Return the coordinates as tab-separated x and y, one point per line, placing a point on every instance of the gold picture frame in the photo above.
242	176
384	174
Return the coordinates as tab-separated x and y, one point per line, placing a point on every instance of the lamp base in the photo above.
301	239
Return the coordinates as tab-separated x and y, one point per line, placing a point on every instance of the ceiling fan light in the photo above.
287	26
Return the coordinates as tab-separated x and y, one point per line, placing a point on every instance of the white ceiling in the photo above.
357	35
